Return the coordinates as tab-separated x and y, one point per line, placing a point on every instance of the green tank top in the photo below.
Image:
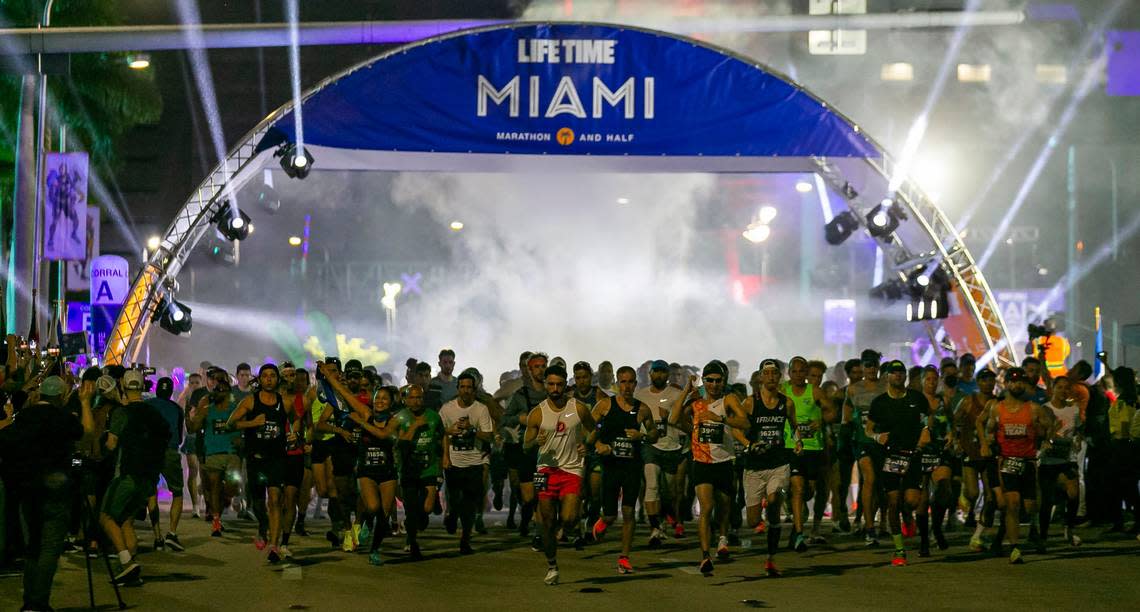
807	411
317	409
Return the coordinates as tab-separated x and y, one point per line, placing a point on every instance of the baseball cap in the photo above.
558	361
165	387
287	364
948	362
769	363
133	381
1016	375
987	373
896	366
91	374
353	365
870	356
52	386
715	367
659	365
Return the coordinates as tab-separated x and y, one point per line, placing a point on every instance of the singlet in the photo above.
563	435
668	436
521	403
766	435
861	409
1063	449
1016	436
939	424
421	457
712	443
296	446
318	408
807	413
268	440
219	440
611	431
374	453
965	424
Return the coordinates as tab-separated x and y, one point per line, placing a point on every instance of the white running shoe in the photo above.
551	576
285	553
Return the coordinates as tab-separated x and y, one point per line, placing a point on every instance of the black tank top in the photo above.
766	435
611	431
268	440
373	452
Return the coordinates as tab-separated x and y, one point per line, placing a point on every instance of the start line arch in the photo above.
594	97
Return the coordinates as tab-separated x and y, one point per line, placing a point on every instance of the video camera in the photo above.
1038	331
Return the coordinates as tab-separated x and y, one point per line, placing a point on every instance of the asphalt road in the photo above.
229	573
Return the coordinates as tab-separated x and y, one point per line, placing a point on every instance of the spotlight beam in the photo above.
291	12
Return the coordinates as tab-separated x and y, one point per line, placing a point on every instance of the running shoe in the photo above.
844	525
346	543
128	573
761	527
172	543
655	538
624	566
414	553
536	543
678	530
801	543
159	544
722	548
1015	556
1074	539
599	530
770	569
976	545
273	556
333	539
551	577
465	547
899	559
817	540
356	529
217	528
374	558
259	542
940	540
706	566
497	501
450	522
285	553
870	540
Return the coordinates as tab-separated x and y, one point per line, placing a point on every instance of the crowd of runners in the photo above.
893	455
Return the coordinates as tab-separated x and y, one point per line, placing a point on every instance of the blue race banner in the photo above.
571	89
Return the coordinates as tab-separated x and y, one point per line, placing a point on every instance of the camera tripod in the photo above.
92	531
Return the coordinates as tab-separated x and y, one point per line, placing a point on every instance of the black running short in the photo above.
620	478
719	475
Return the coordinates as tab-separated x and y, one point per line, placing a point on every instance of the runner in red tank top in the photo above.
1018	424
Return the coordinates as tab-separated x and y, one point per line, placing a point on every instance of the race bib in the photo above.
929	462
375	457
220	427
271	430
1014	466
623	448
710	433
770	437
662	428
806	430
464	441
539	482
897	463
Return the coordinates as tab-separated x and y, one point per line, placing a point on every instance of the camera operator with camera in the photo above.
38	445
1049	347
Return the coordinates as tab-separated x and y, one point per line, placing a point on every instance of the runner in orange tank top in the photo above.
1018	424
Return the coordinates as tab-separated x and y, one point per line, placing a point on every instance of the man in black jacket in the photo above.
38	445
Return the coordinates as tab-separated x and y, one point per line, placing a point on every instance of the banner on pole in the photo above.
110	282
65	206
79	272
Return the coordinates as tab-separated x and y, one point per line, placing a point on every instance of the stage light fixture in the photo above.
929	294
296	165
883	219
173	316
840	228
230	226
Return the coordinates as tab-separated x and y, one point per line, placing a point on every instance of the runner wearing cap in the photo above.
1016	424
766	458
707	419
262	419
896	421
664	458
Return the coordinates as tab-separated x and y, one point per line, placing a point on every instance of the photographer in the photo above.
1046	345
38	446
139	435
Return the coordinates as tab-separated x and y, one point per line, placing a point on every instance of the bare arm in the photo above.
734	415
238	420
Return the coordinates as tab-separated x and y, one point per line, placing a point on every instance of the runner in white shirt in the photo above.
468	431
558	427
664	459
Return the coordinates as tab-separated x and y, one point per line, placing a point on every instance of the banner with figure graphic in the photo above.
65	207
79	272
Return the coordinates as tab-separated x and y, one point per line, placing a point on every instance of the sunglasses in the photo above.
713	380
